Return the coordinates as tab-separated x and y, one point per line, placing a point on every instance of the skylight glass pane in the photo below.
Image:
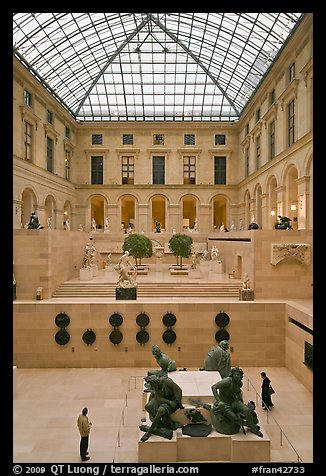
151	66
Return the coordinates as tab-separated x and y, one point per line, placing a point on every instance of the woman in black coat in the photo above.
265	396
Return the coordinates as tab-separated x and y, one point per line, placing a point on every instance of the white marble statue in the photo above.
106	224
108	260
245	282
127	271
49	222
232	228
241	227
80	228
194	260
174	231
67	225
93	224
196	225
87	256
215	254
222	228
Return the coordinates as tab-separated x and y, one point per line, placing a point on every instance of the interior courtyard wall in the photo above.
259	335
299	329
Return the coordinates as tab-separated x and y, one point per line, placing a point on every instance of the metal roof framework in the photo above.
151	66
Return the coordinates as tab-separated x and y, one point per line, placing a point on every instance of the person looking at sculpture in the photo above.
229	401
265	395
163	360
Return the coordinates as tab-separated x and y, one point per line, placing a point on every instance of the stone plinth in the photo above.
85	274
246	295
125	294
193	273
157	449
216	267
94	269
109	268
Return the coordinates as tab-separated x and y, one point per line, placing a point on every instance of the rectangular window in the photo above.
158	170
271	139
291	123
96	169
127	139
189	169
308	355
257	152
247	162
257	115
127	170
68	132
272	97
96	139
158	139
67	164
49	154
219	139
28	136
189	139
27	98
49	116
292	72
219	170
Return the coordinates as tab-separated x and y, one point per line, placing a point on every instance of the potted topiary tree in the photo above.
139	246
180	246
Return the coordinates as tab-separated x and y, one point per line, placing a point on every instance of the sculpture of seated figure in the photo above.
218	359
283	223
34	223
229	412
163	360
165	398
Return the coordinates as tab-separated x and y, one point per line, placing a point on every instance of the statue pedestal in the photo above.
214	447
94	269
85	274
125	294
193	273
216	267
246	295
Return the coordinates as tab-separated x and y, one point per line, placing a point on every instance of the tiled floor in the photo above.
47	403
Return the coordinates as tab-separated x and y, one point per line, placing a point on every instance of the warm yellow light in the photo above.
273	213
293	207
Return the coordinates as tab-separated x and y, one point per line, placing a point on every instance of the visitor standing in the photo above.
84	427
265	392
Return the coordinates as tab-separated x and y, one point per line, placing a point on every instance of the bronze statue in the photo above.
165	398
34	223
229	412
283	223
218	359
163	360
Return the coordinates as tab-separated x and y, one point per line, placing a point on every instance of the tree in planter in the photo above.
180	246
139	246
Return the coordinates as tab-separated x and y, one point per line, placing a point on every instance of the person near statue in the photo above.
124	266
218	359
265	395
164	399
166	364
229	412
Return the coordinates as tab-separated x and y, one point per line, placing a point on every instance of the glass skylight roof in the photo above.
151	66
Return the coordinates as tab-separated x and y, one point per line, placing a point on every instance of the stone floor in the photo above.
47	403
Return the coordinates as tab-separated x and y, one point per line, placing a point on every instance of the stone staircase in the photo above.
107	290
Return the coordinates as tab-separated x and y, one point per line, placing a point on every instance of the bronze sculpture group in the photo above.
229	413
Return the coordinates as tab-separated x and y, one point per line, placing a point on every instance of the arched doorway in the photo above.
272	206
292	196
128	212
158	213
219	212
189	212
97	211
28	206
258	217
49	207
